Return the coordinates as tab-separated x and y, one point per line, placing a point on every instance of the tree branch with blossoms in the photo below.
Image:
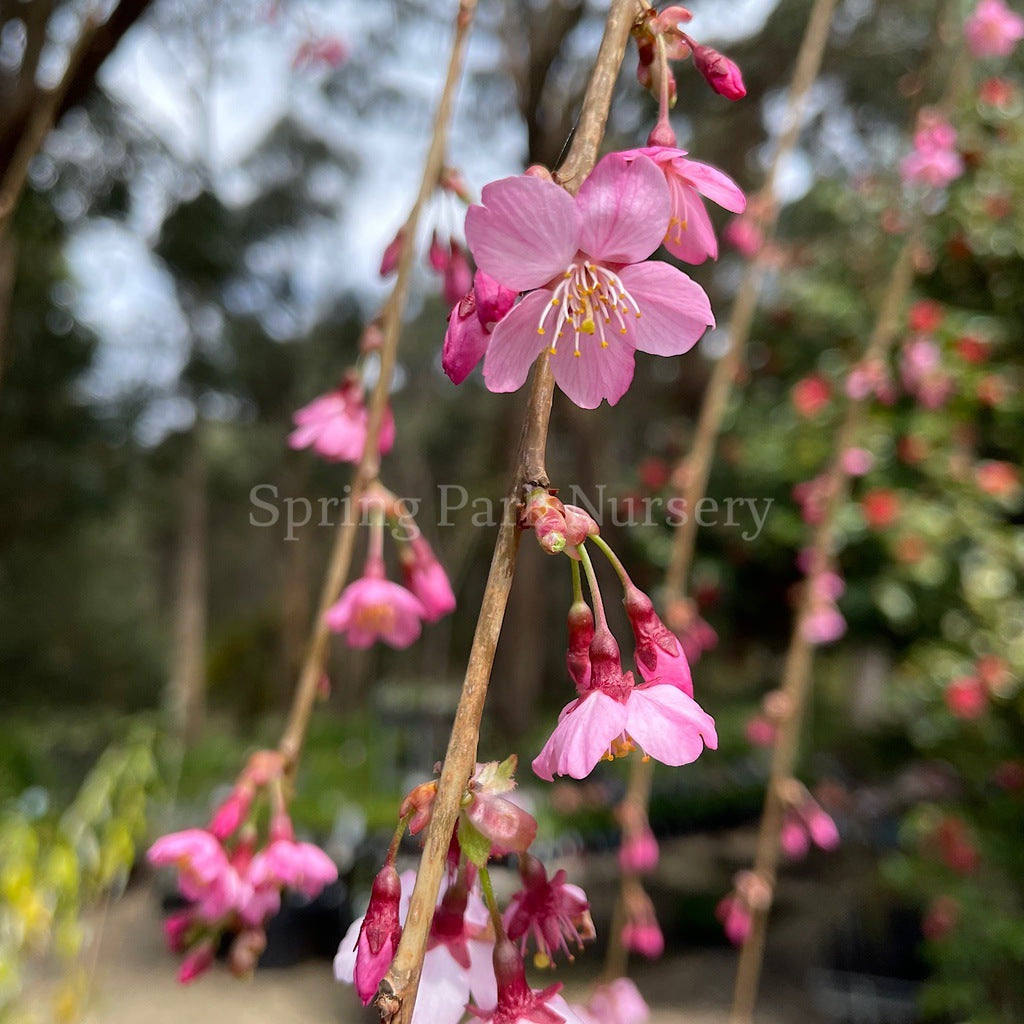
638	852
367	468
932	164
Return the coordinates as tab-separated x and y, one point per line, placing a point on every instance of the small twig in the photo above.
340	563
397	994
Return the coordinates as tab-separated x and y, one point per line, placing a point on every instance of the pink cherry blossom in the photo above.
993	30
552	912
334	425
592	301
690	236
470	325
286	863
426	579
206	877
615	716
373	608
494	814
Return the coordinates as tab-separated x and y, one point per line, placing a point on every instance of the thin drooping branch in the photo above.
713	407
796	674
397	994
741	319
340	562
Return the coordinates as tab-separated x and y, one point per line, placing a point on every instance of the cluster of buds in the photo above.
661	30
375	608
612	714
334	424
763	728
804	821
446	254
751	894
474	951
232	872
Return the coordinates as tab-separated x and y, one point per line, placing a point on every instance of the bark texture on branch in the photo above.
397	995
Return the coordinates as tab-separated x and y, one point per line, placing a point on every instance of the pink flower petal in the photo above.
690	236
713	184
515	344
669	726
582	737
596	373
525	232
625	209
675	311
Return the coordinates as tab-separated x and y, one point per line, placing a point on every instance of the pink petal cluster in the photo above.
334	425
934	160
690	236
993	30
615	716
374	608
551	912
592	301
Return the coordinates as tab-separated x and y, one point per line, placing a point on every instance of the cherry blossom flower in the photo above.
552	912
993	30
615	717
334	425
373	608
592	301
690	236
288	864
205	875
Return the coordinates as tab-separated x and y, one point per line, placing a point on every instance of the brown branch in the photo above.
340	562
397	995
741	320
796	675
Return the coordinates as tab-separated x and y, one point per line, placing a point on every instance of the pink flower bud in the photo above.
639	852
662	135
579	525
793	837
197	962
420	805
232	812
581	632
437	255
175	929
458	275
426	578
379	934
822	828
719	72
392	254
538	171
